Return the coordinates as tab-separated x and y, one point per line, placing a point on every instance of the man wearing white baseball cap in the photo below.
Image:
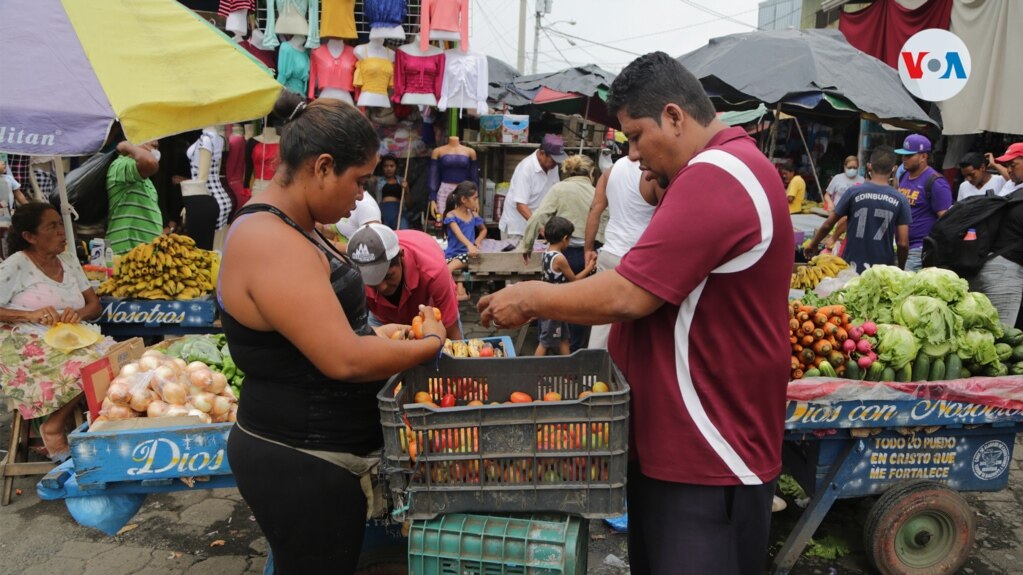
403	270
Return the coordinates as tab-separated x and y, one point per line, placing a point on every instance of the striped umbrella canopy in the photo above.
71	68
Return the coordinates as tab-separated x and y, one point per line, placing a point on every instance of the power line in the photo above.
716	13
592	43
490	24
546	33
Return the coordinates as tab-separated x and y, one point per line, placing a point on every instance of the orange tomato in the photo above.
475	402
417	327
552	396
423	397
585	394
520	397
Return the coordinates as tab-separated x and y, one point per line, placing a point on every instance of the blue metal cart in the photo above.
916	455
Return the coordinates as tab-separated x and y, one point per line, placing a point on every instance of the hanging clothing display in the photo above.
448	171
264	159
337	19
445	16
417	75
386	16
989	101
326	71
287	13
214	142
254	46
234	168
882	28
293	68
236	13
465	82
374	75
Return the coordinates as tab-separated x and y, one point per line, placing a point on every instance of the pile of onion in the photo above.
160	386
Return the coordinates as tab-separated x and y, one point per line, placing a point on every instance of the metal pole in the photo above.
521	64
536	36
809	158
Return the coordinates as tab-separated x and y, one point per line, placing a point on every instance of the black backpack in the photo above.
946	246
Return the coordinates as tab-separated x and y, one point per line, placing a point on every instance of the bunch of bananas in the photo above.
808	206
169	267
820	267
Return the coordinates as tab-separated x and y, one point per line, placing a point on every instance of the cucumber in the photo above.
875	371
1017	353
812	372
937	370
1016	369
852	370
1004	351
964	373
921	367
888	374
826	370
905	374
953	365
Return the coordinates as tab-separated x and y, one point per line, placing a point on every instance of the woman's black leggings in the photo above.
312	512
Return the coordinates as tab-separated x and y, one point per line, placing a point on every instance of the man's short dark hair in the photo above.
655	80
787	167
973	160
882	160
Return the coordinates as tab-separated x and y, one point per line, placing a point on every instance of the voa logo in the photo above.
934	65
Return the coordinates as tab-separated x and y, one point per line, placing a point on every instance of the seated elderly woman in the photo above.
41	286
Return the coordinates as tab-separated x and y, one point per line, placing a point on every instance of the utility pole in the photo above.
542	7
521	64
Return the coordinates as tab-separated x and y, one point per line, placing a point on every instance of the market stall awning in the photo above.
579	90
73	67
809	71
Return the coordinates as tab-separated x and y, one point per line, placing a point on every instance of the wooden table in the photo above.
508	267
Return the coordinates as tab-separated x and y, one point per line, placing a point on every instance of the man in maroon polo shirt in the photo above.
701	329
403	270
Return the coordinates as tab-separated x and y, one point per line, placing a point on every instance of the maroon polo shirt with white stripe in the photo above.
710	367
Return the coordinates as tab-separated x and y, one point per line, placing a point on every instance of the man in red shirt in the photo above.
702	329
403	270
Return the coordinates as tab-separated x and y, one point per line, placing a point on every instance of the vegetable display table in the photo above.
914	445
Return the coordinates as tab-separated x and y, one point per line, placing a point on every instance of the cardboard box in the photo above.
504	128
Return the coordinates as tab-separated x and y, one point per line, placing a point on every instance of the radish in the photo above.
856	333
863	346
864	362
872	356
869	328
848	346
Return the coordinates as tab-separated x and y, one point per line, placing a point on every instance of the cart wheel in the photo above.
919	528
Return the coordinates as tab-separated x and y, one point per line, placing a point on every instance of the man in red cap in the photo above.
1001	278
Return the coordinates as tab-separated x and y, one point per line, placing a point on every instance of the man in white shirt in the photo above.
529	184
977	180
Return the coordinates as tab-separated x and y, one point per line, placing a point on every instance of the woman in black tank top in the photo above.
294	312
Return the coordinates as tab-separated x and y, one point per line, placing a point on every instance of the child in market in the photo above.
554	335
466	230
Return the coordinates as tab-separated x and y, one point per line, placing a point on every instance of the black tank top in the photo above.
391	191
285	397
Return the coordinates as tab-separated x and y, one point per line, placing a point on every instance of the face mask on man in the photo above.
156	154
850	172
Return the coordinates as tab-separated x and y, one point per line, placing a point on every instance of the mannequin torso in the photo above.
332	68
374	73
418	74
264	159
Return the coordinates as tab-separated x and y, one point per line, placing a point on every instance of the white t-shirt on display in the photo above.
996	184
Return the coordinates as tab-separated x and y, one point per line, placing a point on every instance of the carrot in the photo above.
809	309
835	320
797	348
807	340
803	316
831	329
818	333
793	325
832	310
820	319
795	363
847	327
822	348
797	374
808	327
841	335
817	361
793	339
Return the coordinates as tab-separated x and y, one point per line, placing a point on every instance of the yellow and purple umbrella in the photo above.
73	67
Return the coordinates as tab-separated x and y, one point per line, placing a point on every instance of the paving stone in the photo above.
220	565
84	549
121	559
260	546
56	566
208	512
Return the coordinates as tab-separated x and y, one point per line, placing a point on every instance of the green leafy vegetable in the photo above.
790	487
936	282
896	345
977	312
931	321
830	547
872	295
201	349
977	345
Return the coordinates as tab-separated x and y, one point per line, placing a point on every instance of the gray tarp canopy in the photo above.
499	74
802	70
576	90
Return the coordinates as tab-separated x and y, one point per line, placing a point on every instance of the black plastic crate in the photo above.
566	456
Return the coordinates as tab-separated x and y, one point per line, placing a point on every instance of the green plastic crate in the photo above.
460	544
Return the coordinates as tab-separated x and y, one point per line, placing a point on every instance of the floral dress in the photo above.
35	377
